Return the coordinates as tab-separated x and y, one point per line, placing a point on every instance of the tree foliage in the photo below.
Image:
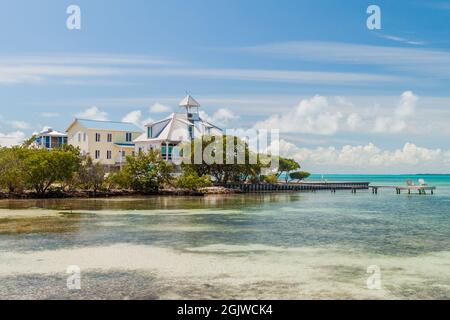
91	176
286	166
299	175
42	168
147	171
12	175
225	158
192	181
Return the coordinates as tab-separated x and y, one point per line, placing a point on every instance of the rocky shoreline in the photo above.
59	194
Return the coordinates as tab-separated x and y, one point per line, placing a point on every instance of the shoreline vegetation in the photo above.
30	173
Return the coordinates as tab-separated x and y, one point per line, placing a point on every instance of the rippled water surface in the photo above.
286	245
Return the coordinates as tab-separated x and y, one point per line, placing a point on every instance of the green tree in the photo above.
43	168
299	175
225	158
148	171
286	166
271	178
91	176
12	175
118	180
192	181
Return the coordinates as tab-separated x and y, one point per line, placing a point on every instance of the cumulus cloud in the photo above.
396	122
354	121
323	116
313	115
135	117
221	116
93	113
159	108
12	138
410	158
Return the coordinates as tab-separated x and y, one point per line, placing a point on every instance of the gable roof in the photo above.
107	125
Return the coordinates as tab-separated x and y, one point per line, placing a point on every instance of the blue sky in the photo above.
347	99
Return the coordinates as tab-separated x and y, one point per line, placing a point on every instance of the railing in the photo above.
262	187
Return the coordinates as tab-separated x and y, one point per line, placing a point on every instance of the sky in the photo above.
345	98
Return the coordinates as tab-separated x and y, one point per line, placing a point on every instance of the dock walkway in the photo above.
409	189
302	186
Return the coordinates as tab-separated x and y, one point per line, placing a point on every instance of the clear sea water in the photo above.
431	179
264	246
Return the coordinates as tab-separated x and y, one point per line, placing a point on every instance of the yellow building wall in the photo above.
89	146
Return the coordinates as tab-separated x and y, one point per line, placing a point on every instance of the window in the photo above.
108	155
109	137
47	142
128	137
84	137
149	132
79	137
97	154
97	137
167	151
191	132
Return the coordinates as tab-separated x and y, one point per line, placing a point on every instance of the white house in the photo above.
167	134
50	139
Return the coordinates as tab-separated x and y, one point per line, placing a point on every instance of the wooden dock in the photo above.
302	186
314	186
398	189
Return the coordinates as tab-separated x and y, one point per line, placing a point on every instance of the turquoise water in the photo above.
431	179
263	246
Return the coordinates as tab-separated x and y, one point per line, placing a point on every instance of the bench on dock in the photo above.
422	188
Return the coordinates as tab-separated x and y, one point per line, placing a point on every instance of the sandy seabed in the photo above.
220	272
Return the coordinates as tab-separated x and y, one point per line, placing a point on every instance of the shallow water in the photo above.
264	246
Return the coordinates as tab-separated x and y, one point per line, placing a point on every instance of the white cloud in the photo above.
135	117
22	125
354	121
368	158
93	113
313	116
397	122
401	39
38	73
323	116
12	138
159	108
417	60
221	116
407	104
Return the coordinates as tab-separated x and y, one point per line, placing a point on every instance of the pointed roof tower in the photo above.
191	105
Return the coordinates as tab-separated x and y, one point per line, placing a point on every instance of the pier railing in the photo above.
302	186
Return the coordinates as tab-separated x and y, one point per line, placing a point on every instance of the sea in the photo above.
287	245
